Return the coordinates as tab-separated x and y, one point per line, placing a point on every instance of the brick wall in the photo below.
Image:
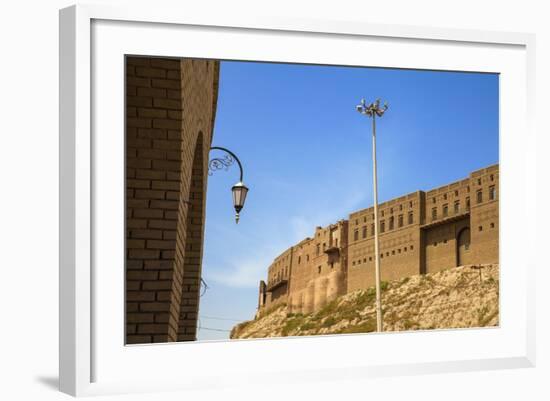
400	250
427	243
440	244
484	215
170	107
318	269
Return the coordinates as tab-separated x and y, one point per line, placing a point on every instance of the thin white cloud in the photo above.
244	268
243	271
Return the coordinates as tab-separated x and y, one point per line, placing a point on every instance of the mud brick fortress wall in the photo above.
310	274
170	105
422	232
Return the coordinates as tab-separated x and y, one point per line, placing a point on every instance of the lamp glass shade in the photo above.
239	191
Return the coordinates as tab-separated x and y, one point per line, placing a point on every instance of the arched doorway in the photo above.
463	247
190	245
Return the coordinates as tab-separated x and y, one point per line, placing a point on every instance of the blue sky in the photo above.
307	159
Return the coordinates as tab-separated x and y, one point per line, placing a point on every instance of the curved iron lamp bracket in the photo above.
223	163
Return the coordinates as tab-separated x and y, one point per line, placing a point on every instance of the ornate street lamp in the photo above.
239	190
239	196
372	110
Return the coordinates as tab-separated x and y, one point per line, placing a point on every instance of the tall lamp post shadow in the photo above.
239	190
372	110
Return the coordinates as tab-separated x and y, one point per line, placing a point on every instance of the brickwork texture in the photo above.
422	232
170	106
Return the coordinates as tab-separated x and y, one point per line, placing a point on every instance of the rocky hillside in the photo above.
465	296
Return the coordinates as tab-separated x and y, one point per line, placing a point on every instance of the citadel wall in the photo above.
399	236
318	273
422	232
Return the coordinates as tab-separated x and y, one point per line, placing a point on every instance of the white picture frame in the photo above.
94	360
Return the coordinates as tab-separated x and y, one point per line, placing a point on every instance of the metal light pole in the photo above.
372	110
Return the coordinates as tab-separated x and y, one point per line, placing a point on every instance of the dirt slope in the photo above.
465	296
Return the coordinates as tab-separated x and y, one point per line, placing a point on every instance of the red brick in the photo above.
141	317
131	132
164	144
141	275
136	223
169	235
133	285
173	74
189	295
148	213
138	183
140	101
168	64
167	165
151	174
134	264
172	195
164	295
157	285
146	234
135	244
150	72
168	254
139	61
151	328
173	155
173	94
152	113
161	244
166	185
151	92
131	90
140	122
138	339
140	296
165	275
162	123
171	104
175	114
143	254
164	204
162	338
159	265
137	203
151	133
194	301
139	143
154	154
165	83
173	176
170	215
134	81
186	337
149	194
162	317
154	306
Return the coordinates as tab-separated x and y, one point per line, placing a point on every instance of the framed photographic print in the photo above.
236	194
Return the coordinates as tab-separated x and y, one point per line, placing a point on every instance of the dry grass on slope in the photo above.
461	297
